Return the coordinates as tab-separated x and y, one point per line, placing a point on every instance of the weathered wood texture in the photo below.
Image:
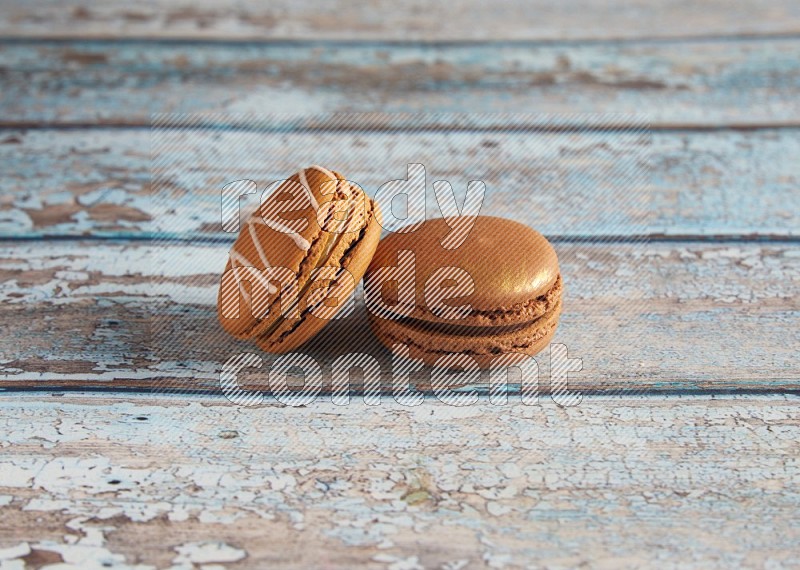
708	83
193	481
670	482
390	20
98	182
686	316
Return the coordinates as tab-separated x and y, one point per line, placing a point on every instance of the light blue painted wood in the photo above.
97	182
683	83
682	317
704	482
388	20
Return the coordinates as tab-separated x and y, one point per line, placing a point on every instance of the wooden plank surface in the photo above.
98	181
662	317
694	482
711	305
386	20
702	83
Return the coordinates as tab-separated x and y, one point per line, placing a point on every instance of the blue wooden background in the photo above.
695	467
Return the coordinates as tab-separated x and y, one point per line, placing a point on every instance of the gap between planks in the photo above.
577	128
226	239
397	43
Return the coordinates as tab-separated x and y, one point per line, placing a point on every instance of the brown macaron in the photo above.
498	292
297	260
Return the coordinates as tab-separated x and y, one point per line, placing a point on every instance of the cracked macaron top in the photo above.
297	259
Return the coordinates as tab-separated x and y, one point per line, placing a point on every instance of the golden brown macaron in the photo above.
298	259
499	292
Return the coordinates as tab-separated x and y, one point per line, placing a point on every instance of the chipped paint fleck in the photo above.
205	552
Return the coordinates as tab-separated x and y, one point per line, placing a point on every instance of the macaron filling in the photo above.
423	342
444	338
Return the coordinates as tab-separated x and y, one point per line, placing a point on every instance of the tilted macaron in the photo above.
498	292
297	260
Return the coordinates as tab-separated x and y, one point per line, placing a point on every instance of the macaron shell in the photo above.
265	242
352	253
513	269
428	344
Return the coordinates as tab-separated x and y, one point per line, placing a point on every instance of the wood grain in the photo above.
181	477
143	482
660	317
98	181
466	20
703	83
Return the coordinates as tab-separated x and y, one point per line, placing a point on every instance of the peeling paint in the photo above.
205	552
505	486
